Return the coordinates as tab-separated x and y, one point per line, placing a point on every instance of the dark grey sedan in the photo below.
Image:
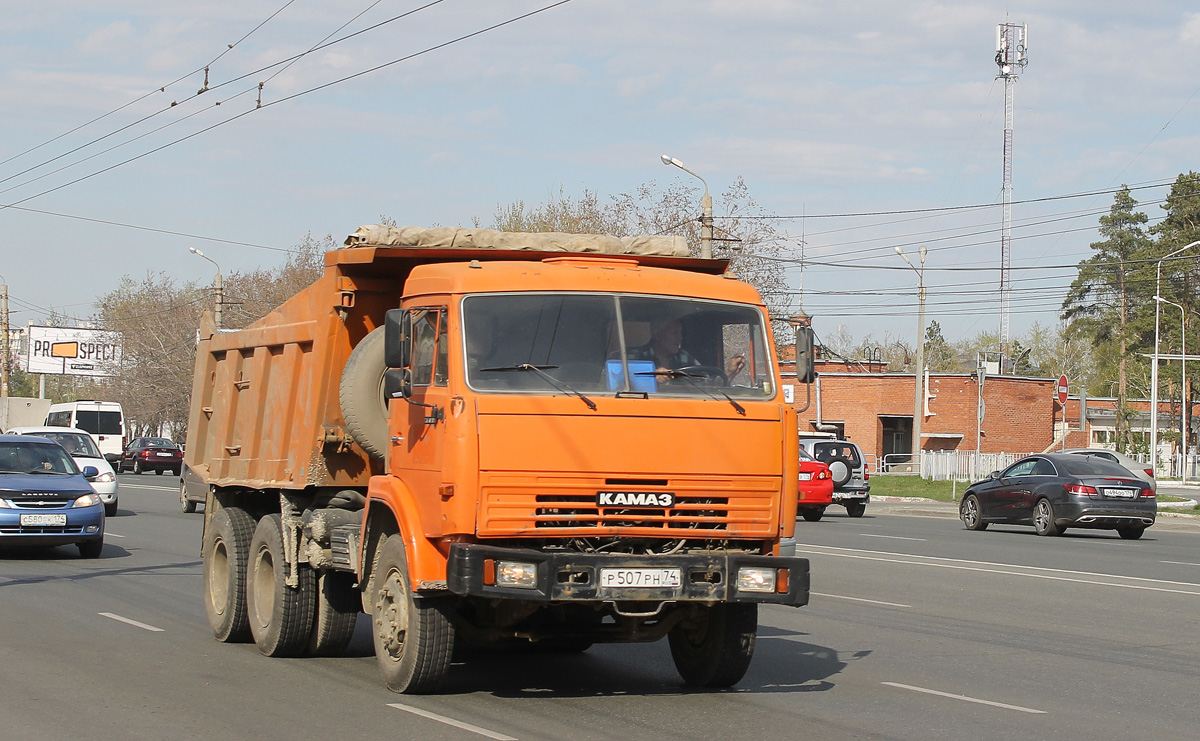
1055	491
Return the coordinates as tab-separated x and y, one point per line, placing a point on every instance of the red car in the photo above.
816	487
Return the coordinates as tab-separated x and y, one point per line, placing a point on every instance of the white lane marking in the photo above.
451	722
112	535
965	698
1181	563
135	623
893	537
952	563
152	488
860	599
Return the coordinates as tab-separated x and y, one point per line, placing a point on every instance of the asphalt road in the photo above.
917	629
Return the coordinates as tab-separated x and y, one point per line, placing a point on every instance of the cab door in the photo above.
420	445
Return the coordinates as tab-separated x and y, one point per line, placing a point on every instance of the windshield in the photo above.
598	343
76	444
31	457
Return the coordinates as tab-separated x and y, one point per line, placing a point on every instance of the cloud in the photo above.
107	39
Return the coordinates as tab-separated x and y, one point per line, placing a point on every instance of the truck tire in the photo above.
225	552
280	616
361	395
335	615
712	646
414	637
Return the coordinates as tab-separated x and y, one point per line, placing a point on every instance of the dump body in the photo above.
504	437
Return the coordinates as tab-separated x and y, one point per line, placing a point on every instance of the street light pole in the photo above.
1183	416
1154	369
706	219
919	381
218	288
4	333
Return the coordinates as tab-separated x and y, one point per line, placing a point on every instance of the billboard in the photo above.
72	351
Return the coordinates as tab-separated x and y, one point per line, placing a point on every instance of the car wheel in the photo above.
1130	533
855	509
185	504
971	513
137	467
1043	518
110	508
159	471
91	548
177	472
813	514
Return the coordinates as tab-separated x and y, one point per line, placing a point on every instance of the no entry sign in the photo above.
1061	390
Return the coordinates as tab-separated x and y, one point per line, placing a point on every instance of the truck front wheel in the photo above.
712	646
225	553
280	616
414	637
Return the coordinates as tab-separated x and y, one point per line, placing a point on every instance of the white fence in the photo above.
945	465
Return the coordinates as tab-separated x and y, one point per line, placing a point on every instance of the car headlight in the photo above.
87	500
4	504
106	477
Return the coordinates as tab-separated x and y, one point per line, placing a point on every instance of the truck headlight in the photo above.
756	579
516	574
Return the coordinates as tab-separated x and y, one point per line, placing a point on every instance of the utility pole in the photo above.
1011	46
5	334
919	379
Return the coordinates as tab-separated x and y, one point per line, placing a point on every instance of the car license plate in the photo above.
805	476
1120	493
43	520
621	578
164	455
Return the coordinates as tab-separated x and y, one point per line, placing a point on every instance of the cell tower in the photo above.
1011	56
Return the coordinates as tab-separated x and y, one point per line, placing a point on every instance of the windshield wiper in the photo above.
691	377
541	371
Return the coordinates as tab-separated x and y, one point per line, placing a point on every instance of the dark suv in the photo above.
847	466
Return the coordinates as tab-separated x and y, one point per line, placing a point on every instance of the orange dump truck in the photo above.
500	439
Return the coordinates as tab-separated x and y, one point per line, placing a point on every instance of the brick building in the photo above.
1012	414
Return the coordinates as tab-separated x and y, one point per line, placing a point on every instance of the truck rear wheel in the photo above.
712	646
414	637
225	553
280	616
335	615
361	395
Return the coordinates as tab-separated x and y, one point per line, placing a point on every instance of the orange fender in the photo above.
425	562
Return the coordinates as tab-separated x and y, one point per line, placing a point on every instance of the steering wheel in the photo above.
711	373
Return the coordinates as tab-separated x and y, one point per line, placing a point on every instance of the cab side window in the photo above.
424	345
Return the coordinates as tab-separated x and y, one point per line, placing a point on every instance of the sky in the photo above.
862	125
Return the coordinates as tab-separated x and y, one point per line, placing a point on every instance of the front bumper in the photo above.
575	577
83	524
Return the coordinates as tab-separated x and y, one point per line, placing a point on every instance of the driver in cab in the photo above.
665	349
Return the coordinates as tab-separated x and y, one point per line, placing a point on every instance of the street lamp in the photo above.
918	393
218	289
706	227
5	335
1183	369
1154	370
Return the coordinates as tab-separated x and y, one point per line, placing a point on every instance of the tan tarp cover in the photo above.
451	237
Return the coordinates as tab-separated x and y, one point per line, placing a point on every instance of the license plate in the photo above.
1120	493
164	455
43	520
620	578
805	476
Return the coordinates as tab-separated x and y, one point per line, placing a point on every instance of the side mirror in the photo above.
994	475
90	472
805	373
112	457
397	384
397	340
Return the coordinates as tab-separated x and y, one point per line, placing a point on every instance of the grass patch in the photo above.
890	485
